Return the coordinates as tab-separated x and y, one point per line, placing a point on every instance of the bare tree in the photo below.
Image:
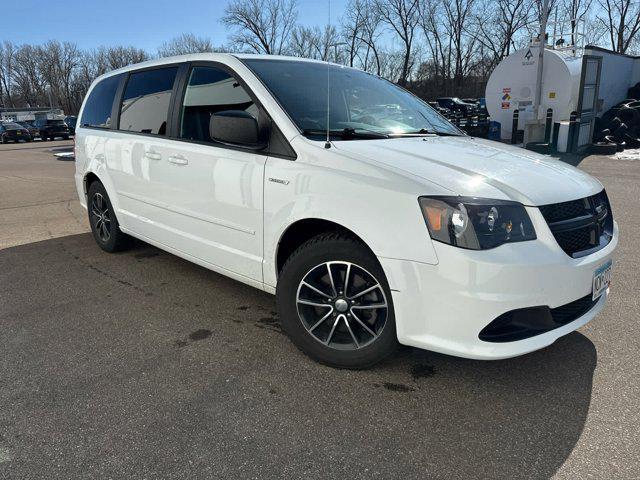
304	41
438	43
118	57
497	25
26	78
263	26
402	16
621	18
458	14
57	65
7	54
370	34
184	44
576	11
352	26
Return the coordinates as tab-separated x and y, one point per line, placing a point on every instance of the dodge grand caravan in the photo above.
370	217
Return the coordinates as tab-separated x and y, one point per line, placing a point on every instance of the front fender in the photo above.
379	207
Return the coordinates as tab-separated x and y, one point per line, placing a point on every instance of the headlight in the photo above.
476	223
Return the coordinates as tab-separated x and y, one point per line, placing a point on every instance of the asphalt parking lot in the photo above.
142	365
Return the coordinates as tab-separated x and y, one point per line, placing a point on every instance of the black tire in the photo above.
631	141
107	234
614	124
620	132
603	148
629	115
339	341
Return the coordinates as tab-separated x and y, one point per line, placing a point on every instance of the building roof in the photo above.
29	109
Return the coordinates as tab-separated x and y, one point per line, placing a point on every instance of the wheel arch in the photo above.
304	229
88	179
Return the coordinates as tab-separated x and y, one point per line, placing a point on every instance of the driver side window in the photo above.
210	90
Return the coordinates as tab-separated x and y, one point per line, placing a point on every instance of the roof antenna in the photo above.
327	144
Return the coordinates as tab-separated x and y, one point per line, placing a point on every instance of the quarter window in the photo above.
145	103
210	90
97	109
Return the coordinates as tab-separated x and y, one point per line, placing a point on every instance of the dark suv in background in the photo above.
50	129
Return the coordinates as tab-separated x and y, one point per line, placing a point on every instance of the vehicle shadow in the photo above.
90	337
516	418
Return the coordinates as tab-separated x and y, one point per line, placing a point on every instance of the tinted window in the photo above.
357	100
97	110
210	90
145	103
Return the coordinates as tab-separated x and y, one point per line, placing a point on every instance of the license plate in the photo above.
601	280
18	133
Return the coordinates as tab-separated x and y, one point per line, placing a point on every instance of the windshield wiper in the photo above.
347	133
440	133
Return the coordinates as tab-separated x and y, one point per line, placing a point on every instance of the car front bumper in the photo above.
444	307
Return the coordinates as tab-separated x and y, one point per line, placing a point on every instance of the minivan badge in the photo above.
279	180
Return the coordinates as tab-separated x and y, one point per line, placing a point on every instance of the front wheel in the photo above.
104	224
335	304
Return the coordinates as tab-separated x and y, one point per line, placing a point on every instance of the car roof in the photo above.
194	57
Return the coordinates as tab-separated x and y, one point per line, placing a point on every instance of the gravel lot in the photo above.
142	365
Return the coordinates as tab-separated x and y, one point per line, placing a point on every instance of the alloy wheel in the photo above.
101	217
342	305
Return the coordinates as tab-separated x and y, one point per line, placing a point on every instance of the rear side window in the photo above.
211	90
97	110
145	103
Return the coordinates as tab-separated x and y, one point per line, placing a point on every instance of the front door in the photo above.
214	193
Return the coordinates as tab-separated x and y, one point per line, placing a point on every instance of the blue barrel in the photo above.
494	131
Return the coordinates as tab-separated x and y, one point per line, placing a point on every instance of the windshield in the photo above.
358	101
13	126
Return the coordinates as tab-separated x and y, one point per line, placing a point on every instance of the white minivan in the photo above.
371	217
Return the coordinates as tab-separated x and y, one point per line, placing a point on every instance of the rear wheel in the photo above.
104	224
335	304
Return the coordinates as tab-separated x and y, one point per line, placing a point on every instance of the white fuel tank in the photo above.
512	86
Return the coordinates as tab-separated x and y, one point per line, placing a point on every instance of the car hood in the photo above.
475	167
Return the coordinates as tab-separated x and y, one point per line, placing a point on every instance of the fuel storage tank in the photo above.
512	86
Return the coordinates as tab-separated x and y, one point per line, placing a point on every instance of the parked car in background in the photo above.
13	132
52	129
441	110
33	130
456	105
71	121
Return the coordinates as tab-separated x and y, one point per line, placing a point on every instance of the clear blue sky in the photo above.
141	23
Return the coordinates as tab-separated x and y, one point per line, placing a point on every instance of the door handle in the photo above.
152	156
178	160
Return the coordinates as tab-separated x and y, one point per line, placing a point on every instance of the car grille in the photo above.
581	226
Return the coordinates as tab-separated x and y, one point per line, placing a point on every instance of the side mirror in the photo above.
235	127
